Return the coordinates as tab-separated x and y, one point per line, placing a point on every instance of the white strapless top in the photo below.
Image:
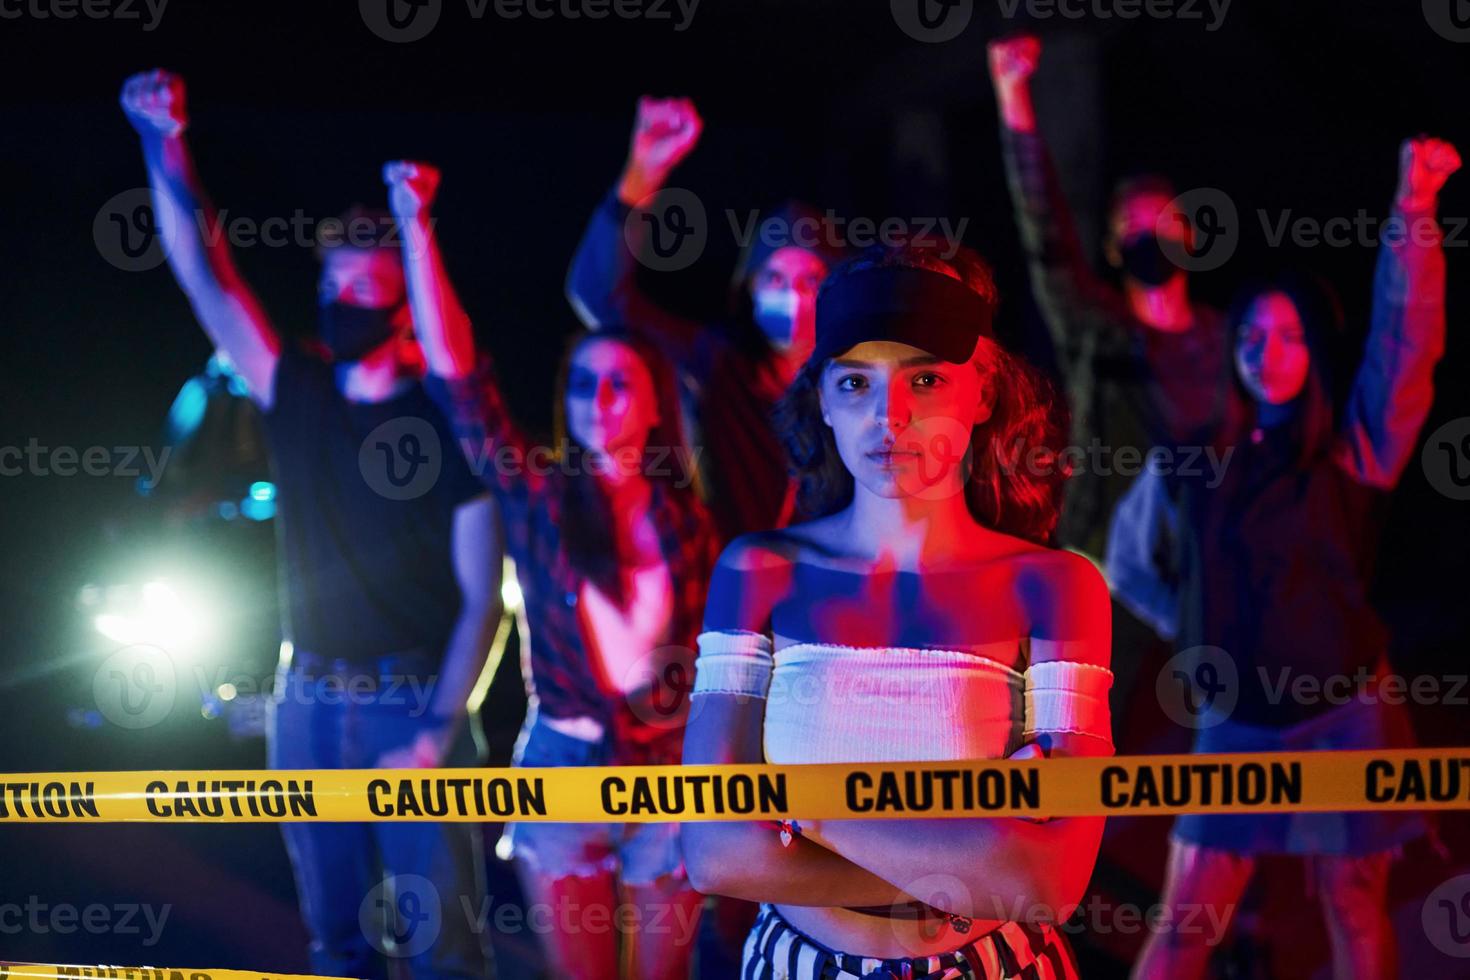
833	703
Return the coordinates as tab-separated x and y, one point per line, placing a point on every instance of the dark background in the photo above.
295	106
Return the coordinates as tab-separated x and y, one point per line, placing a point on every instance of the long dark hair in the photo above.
586	516
1314	420
1028	419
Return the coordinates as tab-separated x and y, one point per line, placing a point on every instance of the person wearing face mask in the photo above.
736	370
1092	322
1276	567
390	561
613	550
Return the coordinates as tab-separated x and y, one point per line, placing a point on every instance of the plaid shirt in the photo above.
561	680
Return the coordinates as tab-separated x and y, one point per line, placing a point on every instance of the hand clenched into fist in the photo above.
411	187
154	103
1425	163
1013	59
664	133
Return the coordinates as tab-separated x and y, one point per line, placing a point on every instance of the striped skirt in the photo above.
776	950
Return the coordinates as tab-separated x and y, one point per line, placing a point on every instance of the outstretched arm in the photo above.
1394	387
1080	309
461	379
602	283
196	246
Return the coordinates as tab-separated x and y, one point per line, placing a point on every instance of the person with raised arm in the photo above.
386	588
613	550
918	615
738	369
1091	320
1276	567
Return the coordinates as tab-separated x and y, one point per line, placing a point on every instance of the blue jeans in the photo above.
409	892
638	853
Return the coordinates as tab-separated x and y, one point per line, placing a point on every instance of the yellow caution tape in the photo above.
52	971
1411	779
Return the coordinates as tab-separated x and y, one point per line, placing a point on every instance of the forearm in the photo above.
198	252
1073	300
600	267
465	657
747	861
1394	388
442	326
1003	862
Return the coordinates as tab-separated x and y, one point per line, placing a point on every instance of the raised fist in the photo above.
1013	59
1425	163
154	103
411	187
663	134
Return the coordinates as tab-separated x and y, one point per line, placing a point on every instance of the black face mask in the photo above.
1145	261
352	332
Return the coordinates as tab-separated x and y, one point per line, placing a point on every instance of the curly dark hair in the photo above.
1027	423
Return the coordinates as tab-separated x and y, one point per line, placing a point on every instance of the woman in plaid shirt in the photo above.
613	552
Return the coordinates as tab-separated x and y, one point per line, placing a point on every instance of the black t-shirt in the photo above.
366	494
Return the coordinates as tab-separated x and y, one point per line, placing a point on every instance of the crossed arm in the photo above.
1004	863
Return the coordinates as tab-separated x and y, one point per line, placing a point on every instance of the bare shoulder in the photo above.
1058	569
779	548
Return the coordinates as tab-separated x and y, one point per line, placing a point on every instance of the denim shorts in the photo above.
638	853
1355	725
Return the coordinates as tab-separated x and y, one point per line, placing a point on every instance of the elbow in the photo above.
708	863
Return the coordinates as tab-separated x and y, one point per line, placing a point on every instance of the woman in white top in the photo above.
917	616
